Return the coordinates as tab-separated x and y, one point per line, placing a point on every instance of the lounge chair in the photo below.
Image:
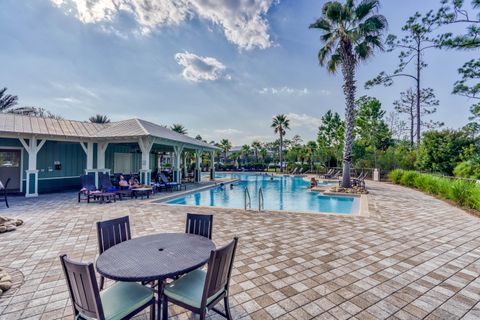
300	171
170	185
199	291
122	300
328	174
3	191
360	180
294	171
89	189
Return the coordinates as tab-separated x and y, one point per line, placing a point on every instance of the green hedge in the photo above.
464	193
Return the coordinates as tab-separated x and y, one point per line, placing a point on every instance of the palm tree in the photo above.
178	128
245	152
7	101
279	124
349	35
99	118
256	145
311	149
225	145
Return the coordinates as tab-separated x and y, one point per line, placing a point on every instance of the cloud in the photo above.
303	120
243	21
198	69
284	91
228	131
67	99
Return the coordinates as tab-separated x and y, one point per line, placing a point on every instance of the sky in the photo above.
222	69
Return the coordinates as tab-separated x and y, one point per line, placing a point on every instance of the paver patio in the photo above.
414	257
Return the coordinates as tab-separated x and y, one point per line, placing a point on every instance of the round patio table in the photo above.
155	258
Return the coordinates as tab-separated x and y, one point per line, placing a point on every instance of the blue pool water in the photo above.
279	193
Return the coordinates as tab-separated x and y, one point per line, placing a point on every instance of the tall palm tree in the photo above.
99	118
256	146
349	35
279	124
245	152
178	128
225	145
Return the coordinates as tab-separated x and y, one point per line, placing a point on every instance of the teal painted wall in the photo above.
72	158
124	148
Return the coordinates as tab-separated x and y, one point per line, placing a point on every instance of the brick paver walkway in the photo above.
414	257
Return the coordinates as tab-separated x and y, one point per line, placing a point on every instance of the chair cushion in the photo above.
123	298
189	289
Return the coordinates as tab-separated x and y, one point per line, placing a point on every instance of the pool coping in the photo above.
362	203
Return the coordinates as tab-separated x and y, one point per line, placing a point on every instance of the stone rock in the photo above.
7	277
3	219
11	227
18	222
1	291
5	285
3	229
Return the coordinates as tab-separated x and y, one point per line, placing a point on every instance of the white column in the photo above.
212	165
177	172
88	149
32	148
198	171
145	144
101	148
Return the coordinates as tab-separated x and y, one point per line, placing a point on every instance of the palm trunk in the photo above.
281	151
348	70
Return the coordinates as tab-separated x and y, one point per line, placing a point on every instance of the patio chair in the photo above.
110	233
89	189
294	171
360	180
328	174
3	193
199	224
168	184
199	291
300	171
122	300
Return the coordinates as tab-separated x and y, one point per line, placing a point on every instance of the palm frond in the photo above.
365	8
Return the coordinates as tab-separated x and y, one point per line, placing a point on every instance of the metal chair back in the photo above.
83	288
219	270
113	232
199	224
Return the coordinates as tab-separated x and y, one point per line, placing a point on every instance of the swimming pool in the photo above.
279	193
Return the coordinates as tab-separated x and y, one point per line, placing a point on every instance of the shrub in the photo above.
396	175
467	169
408	178
461	192
464	193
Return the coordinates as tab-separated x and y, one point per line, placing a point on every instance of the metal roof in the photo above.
20	125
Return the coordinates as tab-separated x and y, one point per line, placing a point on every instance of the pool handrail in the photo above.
261	202
247	196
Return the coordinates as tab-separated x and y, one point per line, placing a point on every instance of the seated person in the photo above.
135	184
122	183
313	183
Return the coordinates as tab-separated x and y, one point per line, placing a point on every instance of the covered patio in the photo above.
42	155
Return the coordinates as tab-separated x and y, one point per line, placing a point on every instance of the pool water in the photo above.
289	193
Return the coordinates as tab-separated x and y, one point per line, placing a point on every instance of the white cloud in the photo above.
228	131
243	21
68	99
197	68
303	121
284	91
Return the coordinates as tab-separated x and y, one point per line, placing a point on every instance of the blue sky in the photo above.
220	68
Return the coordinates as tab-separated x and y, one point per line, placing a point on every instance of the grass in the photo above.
464	193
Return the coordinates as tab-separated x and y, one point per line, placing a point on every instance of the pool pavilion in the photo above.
42	155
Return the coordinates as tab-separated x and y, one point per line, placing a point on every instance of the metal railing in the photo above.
248	204
261	202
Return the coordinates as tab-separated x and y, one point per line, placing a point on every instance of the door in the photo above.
10	167
122	162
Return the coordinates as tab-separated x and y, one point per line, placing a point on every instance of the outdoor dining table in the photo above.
155	258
